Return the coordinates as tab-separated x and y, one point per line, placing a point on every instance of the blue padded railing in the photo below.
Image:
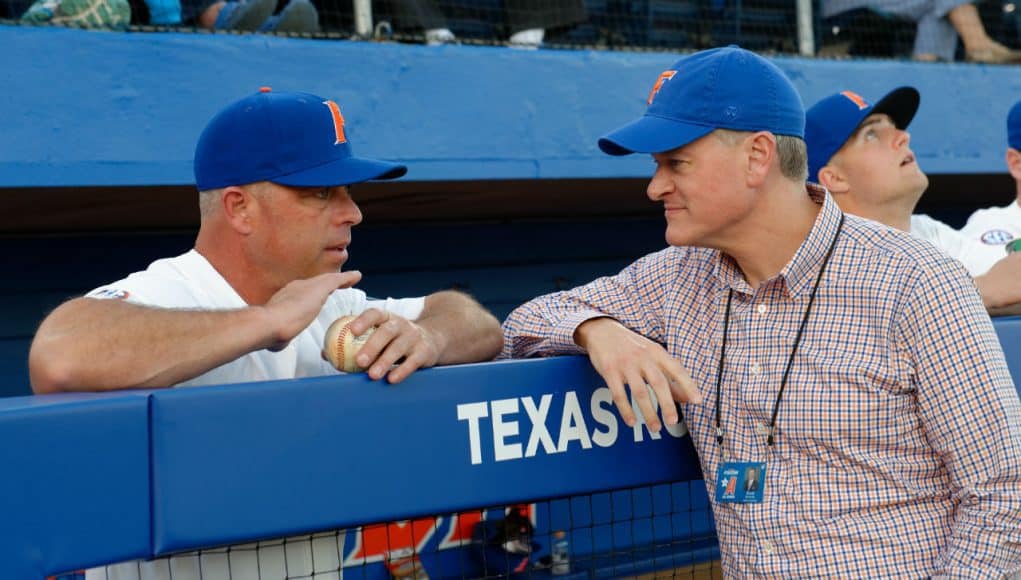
101	478
98	479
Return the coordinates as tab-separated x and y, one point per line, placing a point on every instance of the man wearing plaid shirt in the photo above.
852	365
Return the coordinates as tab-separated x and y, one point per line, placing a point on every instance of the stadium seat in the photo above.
762	25
673	23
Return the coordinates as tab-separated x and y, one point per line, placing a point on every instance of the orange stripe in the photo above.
338	121
856	99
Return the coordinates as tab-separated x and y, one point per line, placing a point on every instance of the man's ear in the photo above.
761	149
833	179
1013	158
238	203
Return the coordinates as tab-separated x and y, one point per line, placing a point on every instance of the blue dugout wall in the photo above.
100	109
115	477
102	478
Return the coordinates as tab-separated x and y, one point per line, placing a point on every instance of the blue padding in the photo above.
450	113
338	451
1009	330
75	484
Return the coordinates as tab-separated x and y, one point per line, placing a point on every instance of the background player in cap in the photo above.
253	299
862	154
996	226
884	424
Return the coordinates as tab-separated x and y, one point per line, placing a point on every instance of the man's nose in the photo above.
659	185
346	211
903	138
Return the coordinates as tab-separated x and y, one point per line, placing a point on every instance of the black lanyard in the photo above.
790	360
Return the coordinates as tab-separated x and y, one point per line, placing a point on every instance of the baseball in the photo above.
340	345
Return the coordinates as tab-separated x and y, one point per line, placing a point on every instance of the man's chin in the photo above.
679	240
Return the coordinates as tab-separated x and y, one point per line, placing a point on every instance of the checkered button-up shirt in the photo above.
898	441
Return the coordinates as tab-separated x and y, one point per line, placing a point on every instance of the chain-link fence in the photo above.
983	32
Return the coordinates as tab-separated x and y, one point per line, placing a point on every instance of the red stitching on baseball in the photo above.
341	339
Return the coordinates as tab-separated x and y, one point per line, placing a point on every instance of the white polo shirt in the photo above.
976	256
190	281
995	226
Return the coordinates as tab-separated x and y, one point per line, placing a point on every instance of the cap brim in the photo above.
900	105
347	171
651	135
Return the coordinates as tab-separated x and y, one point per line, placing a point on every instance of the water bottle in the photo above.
561	554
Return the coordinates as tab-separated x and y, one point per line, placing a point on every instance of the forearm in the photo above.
463	330
93	345
548	325
545	326
995	294
1000	286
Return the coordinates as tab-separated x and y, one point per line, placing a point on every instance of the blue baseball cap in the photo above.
1014	126
294	139
721	88
832	121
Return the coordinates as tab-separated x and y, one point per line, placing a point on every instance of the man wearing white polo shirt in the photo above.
253	299
997	226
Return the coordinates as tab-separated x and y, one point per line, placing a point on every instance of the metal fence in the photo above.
831	28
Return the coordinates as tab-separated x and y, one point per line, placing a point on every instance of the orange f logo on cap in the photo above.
338	121
856	99
663	77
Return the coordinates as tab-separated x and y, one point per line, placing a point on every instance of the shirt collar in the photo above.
799	274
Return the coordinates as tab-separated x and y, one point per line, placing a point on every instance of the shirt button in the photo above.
767	546
761	309
762	429
755	369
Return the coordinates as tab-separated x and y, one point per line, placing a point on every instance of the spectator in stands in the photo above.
996	226
84	13
862	154
854	362
939	25
252	15
156	12
253	300
527	20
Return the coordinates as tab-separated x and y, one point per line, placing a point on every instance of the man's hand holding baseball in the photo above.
396	340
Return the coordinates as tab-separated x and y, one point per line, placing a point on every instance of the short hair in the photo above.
791	151
208	201
210	198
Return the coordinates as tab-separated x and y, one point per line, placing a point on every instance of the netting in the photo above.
664	531
835	27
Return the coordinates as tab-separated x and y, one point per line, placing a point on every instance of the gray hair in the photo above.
209	199
792	152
